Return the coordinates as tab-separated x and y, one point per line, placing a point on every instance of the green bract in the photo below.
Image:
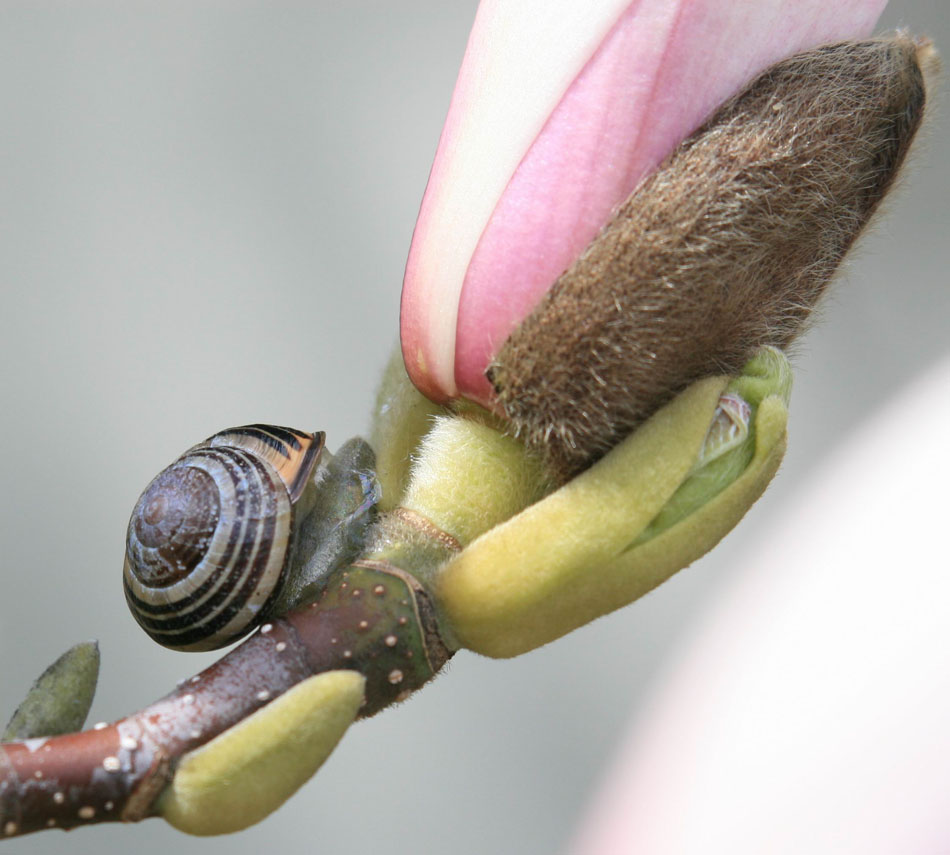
579	552
251	769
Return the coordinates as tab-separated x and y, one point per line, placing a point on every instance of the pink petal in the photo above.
521	57
558	114
809	713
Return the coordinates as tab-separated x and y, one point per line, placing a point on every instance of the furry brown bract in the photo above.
726	247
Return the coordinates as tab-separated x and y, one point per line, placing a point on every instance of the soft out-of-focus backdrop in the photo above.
205	213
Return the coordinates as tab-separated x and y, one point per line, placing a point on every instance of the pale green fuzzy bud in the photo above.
469	476
59	700
251	769
581	551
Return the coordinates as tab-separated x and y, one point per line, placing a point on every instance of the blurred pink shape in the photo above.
560	109
811	712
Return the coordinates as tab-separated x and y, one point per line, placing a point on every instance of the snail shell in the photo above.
210	537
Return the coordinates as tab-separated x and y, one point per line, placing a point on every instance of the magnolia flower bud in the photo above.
727	247
554	280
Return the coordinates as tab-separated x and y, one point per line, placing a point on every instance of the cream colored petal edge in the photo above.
521	58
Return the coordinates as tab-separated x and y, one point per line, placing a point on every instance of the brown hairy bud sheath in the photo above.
725	248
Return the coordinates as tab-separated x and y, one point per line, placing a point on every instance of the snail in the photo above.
258	521
211	536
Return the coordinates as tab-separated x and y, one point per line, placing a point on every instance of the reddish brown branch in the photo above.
116	772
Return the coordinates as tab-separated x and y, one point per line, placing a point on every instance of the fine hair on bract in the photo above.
725	248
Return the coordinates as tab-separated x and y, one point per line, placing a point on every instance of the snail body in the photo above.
209	539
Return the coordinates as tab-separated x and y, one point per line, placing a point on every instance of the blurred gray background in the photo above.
206	209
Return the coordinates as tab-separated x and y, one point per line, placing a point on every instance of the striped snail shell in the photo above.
210	537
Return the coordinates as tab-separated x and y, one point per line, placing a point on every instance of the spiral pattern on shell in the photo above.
210	537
